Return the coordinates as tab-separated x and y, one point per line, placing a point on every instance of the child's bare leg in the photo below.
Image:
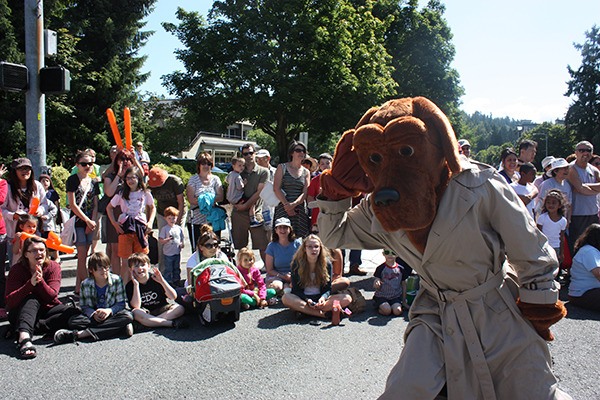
295	303
397	309
172	313
385	308
150	320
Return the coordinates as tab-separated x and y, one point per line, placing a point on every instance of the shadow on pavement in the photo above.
574	312
282	317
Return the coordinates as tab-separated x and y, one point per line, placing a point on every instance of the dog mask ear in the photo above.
428	112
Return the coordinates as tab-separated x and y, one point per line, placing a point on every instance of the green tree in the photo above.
99	43
420	43
287	66
583	115
560	141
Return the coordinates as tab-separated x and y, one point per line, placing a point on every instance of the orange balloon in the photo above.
33	205
53	242
127	121
113	126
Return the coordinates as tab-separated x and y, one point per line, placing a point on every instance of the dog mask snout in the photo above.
386	196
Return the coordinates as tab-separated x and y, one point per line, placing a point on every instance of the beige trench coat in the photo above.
465	328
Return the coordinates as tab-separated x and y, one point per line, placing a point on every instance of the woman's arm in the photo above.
269	265
277	180
110	213
219	194
80	214
111	186
190	193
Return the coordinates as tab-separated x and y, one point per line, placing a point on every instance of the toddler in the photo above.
235	188
171	237
390	285
103	304
552	222
27	223
148	292
255	293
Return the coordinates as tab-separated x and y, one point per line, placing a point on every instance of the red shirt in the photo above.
18	285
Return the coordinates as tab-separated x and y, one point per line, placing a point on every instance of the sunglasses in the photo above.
211	245
204	162
86	164
248	153
388	253
584	150
299	150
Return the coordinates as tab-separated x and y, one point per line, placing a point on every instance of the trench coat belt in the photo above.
465	321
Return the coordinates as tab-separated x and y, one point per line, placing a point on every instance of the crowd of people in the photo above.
118	204
564	203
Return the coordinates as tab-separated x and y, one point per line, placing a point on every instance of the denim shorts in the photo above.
83	239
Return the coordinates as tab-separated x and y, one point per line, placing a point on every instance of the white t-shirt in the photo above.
524	190
134	207
552	229
582	279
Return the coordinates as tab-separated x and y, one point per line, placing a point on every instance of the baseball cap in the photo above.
157	177
283	222
263	153
21	162
464	142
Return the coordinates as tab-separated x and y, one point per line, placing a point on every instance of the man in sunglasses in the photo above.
584	179
255	177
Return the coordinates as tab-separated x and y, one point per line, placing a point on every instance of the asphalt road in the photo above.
267	354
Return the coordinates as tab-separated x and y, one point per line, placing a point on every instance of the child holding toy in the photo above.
148	292
171	237
27	223
103	304
235	188
255	293
135	221
390	285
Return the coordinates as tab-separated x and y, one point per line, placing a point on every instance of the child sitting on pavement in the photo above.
171	237
390	286
103	304
148	292
235	188
255	293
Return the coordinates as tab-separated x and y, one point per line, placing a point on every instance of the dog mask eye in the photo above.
375	158
406	151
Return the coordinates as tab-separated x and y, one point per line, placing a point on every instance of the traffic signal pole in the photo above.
35	100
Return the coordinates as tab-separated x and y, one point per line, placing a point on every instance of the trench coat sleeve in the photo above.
527	249
341	226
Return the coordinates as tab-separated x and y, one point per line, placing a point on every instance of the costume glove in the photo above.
346	178
542	316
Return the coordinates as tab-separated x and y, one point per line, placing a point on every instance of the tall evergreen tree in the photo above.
583	115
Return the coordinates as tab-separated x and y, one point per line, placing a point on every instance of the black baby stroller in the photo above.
216	288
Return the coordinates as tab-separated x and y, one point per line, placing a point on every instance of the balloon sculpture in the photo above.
115	128
53	242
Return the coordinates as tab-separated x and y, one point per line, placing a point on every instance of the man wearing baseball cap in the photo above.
168	190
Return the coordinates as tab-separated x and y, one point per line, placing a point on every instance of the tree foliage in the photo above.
583	115
290	66
98	41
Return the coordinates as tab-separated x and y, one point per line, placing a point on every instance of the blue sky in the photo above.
511	55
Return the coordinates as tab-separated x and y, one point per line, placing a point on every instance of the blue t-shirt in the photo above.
283	255
582	279
101	296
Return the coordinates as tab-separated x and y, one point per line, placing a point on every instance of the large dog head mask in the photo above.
409	150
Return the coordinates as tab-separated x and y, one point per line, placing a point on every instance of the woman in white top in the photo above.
203	182
558	172
207	247
22	188
584	289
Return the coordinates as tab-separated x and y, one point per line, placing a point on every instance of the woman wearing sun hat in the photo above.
557	179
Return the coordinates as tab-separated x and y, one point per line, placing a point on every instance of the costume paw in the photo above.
542	316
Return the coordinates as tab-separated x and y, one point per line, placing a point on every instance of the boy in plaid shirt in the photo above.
103	303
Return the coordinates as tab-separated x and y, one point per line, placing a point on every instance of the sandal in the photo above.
25	346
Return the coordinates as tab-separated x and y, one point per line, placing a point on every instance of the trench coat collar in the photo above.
456	202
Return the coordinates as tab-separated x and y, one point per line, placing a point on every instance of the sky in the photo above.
511	55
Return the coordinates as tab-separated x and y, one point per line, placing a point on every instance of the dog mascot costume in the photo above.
479	324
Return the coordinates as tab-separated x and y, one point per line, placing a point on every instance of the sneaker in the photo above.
254	223
129	330
245	306
64	336
272	301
